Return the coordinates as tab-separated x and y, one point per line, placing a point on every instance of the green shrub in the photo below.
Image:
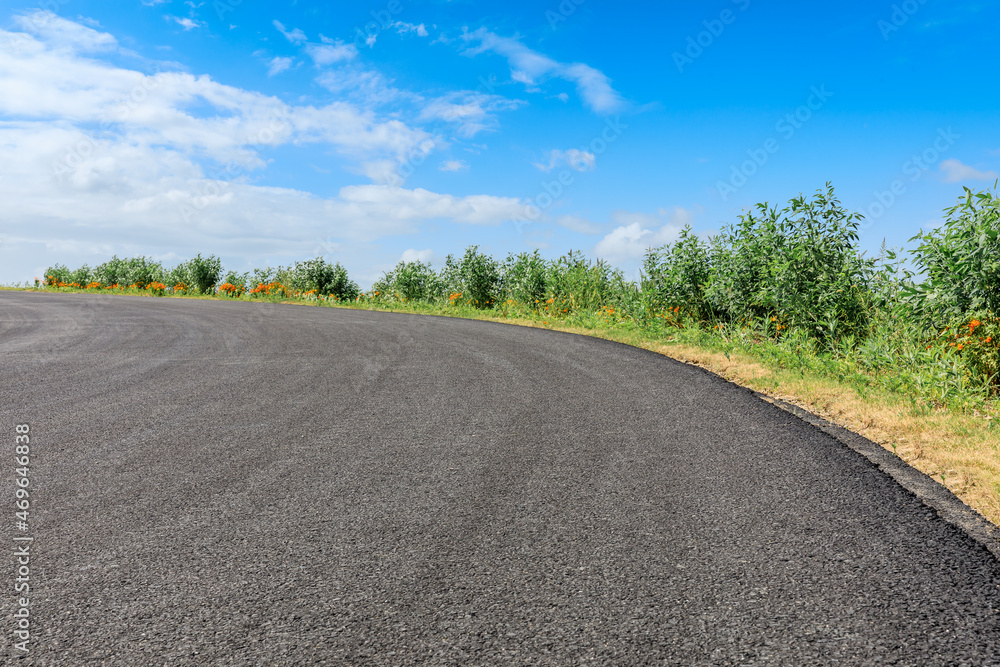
264	276
577	284
959	264
179	275
410	281
139	271
676	276
81	276
341	286
58	273
526	278
315	275
239	280
112	272
476	276
204	272
799	265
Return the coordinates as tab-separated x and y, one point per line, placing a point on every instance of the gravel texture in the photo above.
221	483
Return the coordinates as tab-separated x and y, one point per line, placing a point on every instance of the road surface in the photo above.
222	483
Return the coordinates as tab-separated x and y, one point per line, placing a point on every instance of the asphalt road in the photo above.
230	483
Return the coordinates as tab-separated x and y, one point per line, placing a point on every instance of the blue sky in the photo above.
268	133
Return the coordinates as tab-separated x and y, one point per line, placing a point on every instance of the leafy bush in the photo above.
237	280
179	275
112	272
139	271
799	265
977	340
410	281
341	286
204	272
58	273
477	277
676	276
264	276
319	276
960	264
81	276
578	284
526	278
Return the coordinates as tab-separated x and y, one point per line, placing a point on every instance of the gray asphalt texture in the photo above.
224	483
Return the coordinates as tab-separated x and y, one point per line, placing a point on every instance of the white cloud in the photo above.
278	65
574	157
529	67
328	54
404	28
411	255
107	159
184	22
454	165
637	232
64	35
294	36
367	86
41	81
472	112
953	171
129	196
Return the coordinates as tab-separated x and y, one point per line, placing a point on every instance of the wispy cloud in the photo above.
530	68
574	157
186	23
454	165
63	35
278	65
953	171
404	28
331	52
472	112
295	36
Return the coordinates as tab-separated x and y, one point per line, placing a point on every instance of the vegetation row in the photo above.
788	283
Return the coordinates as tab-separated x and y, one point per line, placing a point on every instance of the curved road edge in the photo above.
930	492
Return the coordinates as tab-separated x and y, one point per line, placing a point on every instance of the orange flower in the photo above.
959	346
